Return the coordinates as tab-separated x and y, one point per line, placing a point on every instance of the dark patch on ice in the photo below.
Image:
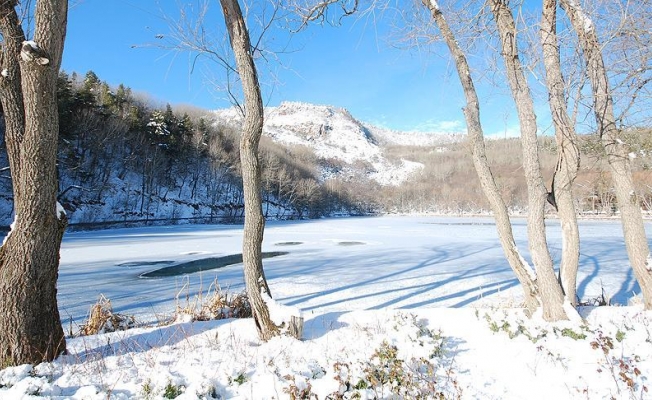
143	263
351	243
288	243
204	264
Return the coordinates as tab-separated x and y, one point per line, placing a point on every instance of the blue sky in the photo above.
349	66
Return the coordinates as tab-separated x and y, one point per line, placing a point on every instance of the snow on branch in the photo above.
32	52
61	212
11	228
433	5
587	23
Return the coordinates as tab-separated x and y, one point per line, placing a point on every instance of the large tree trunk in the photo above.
11	92
523	272
617	151
30	327
552	298
568	160
252	129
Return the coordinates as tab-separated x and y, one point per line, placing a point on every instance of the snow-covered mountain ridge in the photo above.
333	133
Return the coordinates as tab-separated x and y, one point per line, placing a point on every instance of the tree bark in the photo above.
568	159
252	129
11	93
617	151
552	298
30	326
523	272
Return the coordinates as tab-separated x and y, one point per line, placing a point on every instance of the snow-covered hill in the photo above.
333	133
104	178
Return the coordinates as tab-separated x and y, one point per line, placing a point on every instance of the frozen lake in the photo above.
332	265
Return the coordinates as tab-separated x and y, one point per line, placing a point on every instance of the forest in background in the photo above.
122	158
449	183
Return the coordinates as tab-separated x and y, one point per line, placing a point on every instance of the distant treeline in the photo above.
448	182
123	158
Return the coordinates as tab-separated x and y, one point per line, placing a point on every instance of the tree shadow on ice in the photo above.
470	295
628	289
591	286
440	256
429	269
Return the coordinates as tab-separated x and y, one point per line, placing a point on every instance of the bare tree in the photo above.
189	33
30	327
252	129
624	31
542	287
523	271
568	152
616	149
551	293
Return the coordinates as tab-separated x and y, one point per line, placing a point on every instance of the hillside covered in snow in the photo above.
346	147
123	160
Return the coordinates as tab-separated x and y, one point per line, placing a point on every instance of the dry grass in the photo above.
215	304
102	319
218	303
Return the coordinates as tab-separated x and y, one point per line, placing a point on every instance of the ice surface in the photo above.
436	289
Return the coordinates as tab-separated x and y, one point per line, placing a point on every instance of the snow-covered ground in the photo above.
414	302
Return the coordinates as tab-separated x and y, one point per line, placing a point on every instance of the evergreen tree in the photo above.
66	104
91	81
122	97
106	97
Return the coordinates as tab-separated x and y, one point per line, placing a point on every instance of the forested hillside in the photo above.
448	181
123	158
